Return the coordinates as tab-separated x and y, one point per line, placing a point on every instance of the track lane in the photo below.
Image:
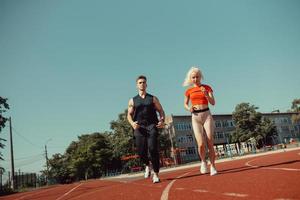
254	177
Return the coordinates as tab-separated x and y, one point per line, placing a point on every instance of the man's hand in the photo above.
135	125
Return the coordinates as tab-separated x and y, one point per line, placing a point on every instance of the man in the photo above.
142	115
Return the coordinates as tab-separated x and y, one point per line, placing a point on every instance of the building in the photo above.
179	127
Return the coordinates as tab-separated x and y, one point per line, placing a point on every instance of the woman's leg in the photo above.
198	132
209	127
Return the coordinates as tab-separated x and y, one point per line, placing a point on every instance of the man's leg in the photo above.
154	152
141	145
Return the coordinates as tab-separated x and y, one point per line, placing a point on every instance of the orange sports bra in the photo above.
196	96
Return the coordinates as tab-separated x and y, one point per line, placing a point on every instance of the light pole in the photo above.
168	127
47	161
229	148
12	156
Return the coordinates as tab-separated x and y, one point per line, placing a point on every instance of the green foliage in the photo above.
265	132
89	156
246	117
93	154
122	136
296	105
58	169
164	143
86	158
246	120
3	108
250	124
296	108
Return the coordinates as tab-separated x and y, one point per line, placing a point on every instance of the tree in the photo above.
246	120
58	169
164	143
3	108
251	125
122	139
296	108
89	157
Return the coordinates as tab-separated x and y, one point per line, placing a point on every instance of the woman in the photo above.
200	96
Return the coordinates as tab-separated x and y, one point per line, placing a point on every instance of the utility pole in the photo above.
12	178
169	130
47	163
1	173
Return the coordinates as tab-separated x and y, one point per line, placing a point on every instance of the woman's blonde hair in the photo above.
187	80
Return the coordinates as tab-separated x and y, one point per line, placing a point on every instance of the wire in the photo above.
25	139
21	163
28	162
27	157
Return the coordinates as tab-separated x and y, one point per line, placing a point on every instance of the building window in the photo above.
218	124
190	151
226	134
225	123
231	124
190	138
183	126
219	135
285	129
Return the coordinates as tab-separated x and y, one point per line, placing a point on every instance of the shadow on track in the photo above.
237	169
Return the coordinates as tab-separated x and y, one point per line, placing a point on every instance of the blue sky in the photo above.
69	67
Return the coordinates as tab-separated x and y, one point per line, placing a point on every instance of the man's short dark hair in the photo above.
141	77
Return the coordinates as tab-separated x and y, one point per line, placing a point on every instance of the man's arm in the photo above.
130	113
161	112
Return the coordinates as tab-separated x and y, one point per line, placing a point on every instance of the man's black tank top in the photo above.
144	110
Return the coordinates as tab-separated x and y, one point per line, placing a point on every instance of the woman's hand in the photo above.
204	91
209	96
160	124
192	109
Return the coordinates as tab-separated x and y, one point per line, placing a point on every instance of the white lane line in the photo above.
147	185
74	188
200	190
231	194
285	169
165	194
274	168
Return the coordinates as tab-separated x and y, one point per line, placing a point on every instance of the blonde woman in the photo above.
200	96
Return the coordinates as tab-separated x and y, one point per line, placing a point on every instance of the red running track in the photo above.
274	176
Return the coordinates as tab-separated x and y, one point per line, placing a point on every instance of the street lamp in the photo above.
47	161
168	127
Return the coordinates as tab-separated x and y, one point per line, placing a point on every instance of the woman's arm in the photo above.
186	104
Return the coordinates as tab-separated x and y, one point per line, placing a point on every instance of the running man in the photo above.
142	115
